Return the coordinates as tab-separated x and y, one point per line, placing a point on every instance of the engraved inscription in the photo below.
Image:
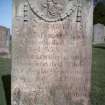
52	55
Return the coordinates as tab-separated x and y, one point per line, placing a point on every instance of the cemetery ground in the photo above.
5	68
98	77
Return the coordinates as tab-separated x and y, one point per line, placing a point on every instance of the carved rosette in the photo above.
53	10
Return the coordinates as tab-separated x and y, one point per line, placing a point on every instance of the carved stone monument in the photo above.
4	40
51	52
99	31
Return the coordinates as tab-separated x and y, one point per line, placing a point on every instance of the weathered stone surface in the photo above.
99	31
4	40
51	62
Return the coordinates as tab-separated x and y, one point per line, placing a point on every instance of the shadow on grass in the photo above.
7	87
101	46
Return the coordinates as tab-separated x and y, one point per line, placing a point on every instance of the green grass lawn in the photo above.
98	76
5	67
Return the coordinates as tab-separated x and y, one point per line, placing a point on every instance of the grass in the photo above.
98	76
5	67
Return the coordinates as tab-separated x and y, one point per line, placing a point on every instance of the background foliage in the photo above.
99	13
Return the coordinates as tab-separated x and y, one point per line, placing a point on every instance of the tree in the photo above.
99	13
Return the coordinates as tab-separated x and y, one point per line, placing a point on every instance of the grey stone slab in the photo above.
51	61
4	40
99	32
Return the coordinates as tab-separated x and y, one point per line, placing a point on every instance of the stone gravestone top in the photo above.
99	32
104	33
51	53
4	40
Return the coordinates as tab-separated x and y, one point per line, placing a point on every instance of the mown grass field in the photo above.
98	76
5	67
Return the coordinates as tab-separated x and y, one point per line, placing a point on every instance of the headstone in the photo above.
4	40
51	52
104	33
99	32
